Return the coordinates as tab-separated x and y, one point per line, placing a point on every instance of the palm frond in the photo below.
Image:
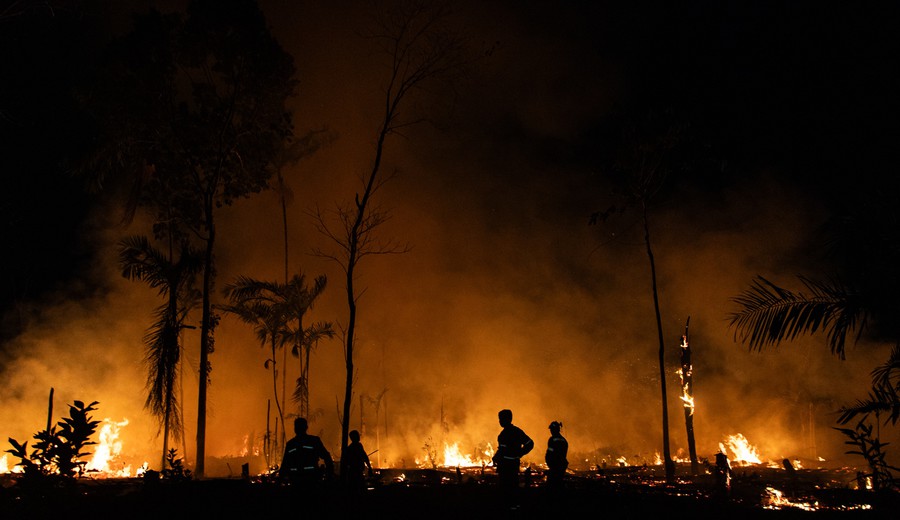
881	401
301	391
162	355
141	261
888	374
770	314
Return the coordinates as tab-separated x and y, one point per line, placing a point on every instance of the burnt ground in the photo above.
470	494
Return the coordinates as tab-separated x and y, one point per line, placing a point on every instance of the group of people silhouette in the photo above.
302	453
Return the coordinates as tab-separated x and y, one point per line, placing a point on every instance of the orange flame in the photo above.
741	449
107	449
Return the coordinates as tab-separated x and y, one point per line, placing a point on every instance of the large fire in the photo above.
104	456
453	457
742	452
107	450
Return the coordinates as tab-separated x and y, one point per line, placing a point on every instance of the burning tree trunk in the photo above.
687	396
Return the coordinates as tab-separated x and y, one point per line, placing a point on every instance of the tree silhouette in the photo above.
419	47
276	312
174	281
291	153
193	109
650	151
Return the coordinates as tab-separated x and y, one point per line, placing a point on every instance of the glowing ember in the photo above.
741	449
775	499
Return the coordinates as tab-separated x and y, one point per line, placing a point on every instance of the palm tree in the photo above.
276	310
299	299
174	281
257	304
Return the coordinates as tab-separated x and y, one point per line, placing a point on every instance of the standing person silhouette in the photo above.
723	474
512	445
300	464
354	463
557	463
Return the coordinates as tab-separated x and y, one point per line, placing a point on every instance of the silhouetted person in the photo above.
723	475
557	451
300	465
512	445
355	463
792	476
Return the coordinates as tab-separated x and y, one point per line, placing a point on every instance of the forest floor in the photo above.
472	493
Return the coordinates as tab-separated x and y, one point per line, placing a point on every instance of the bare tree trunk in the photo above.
267	440
50	410
284	227
279	438
206	331
667	456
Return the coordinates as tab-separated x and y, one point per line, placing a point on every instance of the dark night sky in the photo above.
794	105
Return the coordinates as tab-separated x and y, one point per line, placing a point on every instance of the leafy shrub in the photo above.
56	456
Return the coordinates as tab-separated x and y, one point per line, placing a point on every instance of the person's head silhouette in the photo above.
505	417
300	425
555	427
354	436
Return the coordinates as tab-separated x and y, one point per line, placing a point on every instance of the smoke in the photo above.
506	299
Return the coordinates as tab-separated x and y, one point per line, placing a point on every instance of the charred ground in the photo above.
632	492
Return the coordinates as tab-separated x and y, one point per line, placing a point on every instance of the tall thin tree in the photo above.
644	163
419	47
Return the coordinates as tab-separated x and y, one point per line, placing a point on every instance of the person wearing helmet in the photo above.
557	450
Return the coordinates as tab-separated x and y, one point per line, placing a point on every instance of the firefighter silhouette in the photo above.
512	445
300	464
557	451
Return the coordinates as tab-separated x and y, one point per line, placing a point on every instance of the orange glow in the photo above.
742	452
453	457
108	447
